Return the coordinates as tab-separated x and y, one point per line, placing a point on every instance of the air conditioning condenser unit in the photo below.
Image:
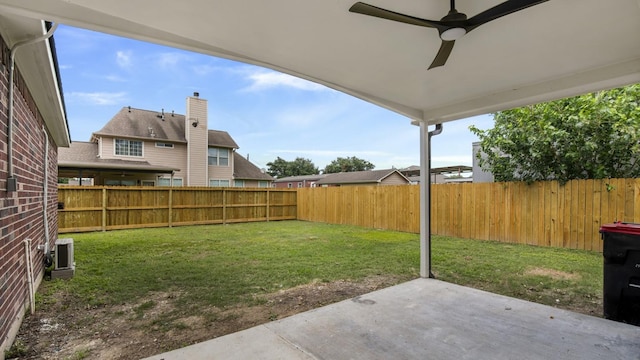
64	266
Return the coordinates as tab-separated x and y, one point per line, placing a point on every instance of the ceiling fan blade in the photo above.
443	54
500	10
366	9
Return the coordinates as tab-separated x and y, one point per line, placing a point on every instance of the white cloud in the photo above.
171	59
123	59
264	79
97	98
115	78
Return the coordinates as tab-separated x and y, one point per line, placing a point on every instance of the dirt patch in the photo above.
62	329
554	274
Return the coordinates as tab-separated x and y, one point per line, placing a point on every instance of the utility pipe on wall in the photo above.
27	256
12	184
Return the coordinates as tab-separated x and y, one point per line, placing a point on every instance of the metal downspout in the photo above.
12	184
425	197
45	193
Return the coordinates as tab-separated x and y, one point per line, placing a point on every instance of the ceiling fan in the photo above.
451	27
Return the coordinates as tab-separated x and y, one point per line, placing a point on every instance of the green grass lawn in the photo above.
223	265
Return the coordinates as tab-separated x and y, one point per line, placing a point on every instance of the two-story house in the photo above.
150	148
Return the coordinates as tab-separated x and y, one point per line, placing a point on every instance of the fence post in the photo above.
104	209
170	207
224	206
268	209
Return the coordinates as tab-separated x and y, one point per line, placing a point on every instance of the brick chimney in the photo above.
196	133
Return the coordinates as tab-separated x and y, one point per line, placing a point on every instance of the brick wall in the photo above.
21	212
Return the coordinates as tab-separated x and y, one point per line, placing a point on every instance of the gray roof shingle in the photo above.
152	125
243	169
300	178
220	138
78	151
145	124
85	155
356	177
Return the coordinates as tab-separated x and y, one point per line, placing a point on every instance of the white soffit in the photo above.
552	50
36	64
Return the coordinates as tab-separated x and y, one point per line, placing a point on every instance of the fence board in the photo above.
544	213
588	215
111	208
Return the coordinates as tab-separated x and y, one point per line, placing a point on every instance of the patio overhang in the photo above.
93	169
551	50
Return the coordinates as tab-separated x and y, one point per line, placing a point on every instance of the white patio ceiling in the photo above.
556	49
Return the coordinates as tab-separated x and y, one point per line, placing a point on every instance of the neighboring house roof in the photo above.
411	168
153	125
358	177
243	169
454	169
300	178
221	139
84	155
145	124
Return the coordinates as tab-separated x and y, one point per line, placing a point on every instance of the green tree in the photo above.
592	136
347	165
280	167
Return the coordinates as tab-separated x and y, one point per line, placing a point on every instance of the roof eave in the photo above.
122	136
39	69
110	166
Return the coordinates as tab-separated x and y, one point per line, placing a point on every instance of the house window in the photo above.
166	181
218	157
164	145
263	184
126	147
289	185
120	182
238	183
218	183
148	183
299	184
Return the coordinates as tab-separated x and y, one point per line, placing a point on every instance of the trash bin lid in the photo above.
621	227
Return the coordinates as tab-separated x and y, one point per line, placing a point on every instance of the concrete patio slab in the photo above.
427	319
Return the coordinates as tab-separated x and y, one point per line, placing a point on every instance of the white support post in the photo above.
425	188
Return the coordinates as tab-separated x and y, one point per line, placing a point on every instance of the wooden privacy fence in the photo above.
84	208
391	207
542	213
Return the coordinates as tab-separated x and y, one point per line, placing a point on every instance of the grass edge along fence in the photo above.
101	208
541	213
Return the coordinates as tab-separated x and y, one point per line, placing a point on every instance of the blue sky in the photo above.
269	114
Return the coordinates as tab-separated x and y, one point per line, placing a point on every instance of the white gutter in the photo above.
12	183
